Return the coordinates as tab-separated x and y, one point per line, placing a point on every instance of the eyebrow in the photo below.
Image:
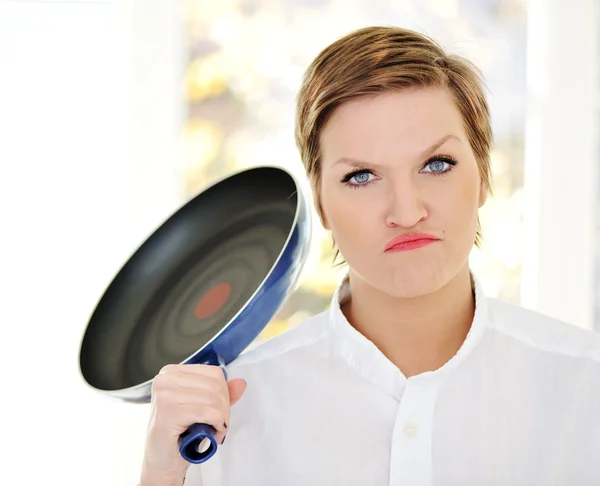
425	154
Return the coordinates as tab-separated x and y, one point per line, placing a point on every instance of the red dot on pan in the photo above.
212	300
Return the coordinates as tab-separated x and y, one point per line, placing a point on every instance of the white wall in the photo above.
87	153
561	159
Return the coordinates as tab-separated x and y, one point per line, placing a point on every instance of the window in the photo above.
246	59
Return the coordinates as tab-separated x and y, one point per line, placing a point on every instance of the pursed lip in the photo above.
413	238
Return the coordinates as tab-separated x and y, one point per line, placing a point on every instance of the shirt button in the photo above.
411	430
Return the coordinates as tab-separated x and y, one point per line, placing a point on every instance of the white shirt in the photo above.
518	405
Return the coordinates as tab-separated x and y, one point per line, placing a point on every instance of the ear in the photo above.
483	193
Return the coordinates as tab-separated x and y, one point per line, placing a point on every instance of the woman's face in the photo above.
398	165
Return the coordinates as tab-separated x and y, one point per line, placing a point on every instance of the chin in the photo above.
406	283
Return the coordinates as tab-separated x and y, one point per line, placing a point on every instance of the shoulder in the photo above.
543	332
301	339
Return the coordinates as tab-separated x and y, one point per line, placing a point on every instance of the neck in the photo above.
418	334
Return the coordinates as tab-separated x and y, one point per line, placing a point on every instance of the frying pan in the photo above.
200	289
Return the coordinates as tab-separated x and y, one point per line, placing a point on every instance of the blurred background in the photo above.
114	113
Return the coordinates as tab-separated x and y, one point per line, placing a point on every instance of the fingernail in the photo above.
224	425
223	441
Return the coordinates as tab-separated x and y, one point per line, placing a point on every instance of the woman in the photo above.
413	377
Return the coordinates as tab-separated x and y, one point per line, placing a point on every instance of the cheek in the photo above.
348	214
457	207
337	209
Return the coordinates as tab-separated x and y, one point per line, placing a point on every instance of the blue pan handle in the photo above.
189	441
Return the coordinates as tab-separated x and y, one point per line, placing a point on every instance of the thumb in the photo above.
236	387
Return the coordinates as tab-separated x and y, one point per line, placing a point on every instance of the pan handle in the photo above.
191	439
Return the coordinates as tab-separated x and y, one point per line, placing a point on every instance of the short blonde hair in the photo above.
375	60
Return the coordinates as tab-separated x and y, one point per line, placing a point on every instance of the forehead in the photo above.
396	120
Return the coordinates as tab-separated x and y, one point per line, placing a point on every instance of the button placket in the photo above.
410	461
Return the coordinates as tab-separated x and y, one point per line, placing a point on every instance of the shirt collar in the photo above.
362	355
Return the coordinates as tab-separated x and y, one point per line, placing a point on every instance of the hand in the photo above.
183	395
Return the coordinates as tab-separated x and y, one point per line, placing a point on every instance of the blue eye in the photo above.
439	165
358	178
361	178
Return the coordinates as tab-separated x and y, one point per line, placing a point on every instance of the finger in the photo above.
199	383
180	412
236	387
167	400
194	369
189	380
175	420
216	417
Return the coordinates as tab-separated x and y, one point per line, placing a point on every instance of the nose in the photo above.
406	206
